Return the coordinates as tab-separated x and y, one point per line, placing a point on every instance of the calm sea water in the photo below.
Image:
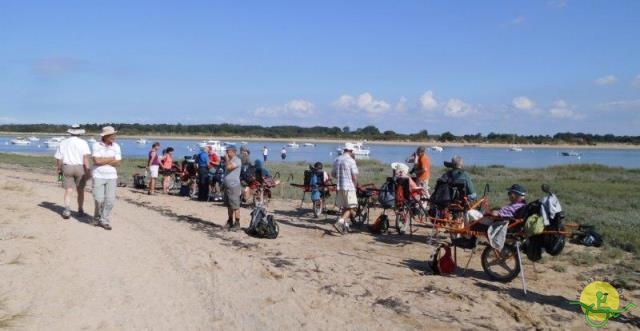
528	158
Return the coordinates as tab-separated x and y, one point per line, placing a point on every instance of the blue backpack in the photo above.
316	180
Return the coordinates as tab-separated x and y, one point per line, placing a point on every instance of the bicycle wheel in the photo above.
317	208
501	266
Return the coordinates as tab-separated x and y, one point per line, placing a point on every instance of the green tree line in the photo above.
291	131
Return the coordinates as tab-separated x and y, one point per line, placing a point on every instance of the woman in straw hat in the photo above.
106	157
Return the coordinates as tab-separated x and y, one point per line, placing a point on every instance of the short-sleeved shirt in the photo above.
463	176
509	211
71	151
155	160
424	164
106	171
203	159
214	160
265	151
344	167
232	178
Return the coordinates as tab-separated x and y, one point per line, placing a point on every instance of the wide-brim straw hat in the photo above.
107	131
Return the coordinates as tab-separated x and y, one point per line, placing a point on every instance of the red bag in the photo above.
444	264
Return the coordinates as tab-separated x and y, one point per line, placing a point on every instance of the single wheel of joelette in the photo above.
501	266
317	208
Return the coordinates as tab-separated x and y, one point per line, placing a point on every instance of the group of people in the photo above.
77	163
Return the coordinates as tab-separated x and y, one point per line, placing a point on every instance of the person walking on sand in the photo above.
72	161
232	187
265	154
106	157
153	166
345	171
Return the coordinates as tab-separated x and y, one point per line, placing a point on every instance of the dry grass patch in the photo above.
15	187
8	320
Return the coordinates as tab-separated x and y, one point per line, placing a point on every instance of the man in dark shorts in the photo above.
72	160
233	189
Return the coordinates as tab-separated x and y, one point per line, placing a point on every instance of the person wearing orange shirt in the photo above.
422	169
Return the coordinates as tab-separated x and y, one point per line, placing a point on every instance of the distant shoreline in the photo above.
341	141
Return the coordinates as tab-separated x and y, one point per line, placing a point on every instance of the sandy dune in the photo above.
168	265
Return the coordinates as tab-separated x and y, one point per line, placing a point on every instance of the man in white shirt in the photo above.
106	157
72	161
265	154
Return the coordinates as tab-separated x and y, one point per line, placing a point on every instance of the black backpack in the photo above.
247	174
138	181
387	196
263	225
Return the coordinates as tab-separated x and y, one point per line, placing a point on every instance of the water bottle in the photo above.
60	176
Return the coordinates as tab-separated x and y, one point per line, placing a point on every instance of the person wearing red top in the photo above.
214	162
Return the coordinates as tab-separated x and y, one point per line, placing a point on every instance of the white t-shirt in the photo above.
265	151
101	150
72	151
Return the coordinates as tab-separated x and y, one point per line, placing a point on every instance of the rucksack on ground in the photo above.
442	262
262	224
380	225
387	196
139	182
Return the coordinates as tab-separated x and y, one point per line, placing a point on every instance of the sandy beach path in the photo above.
169	265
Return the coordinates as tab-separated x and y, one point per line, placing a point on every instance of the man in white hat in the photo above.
72	160
106	157
345	171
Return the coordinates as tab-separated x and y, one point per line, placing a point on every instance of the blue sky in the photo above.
530	67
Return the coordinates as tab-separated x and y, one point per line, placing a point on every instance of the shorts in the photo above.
153	171
232	196
74	176
346	199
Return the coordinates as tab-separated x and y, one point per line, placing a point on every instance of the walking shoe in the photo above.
105	226
229	225
346	227
235	226
66	213
339	227
81	213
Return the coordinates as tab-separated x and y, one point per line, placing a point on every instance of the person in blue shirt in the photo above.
261	171
202	161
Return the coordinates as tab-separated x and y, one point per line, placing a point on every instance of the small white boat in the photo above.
141	141
215	144
54	141
515	148
358	149
20	141
228	143
571	153
309	145
436	148
33	139
244	143
293	145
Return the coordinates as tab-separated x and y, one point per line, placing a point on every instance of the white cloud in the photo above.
606	80
620	105
636	81
457	108
297	108
57	65
7	120
523	103
557	3
428	101
364	102
518	20
401	106
562	109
